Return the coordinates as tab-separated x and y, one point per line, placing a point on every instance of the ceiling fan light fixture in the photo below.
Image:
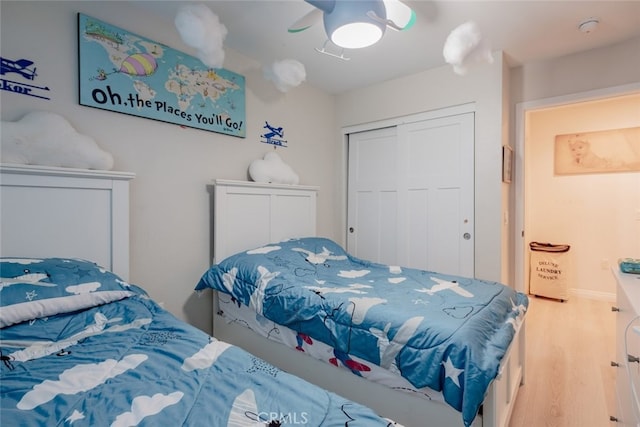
400	14
356	35
349	26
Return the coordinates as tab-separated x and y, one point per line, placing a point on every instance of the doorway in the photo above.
525	183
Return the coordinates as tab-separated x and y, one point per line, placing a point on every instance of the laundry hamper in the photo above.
550	270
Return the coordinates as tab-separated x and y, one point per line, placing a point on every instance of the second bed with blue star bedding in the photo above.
443	332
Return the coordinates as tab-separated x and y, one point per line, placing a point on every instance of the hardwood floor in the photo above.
568	378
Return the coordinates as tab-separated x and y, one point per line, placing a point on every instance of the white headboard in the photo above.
249	214
63	212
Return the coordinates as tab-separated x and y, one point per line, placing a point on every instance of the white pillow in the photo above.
48	139
273	170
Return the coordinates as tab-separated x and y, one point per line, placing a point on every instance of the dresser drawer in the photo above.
627	349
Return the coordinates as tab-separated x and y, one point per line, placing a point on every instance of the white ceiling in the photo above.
526	31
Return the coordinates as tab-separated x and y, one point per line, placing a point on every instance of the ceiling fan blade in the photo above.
324	5
306	21
399	16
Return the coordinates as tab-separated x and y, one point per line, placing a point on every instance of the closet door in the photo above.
373	195
437	181
421	213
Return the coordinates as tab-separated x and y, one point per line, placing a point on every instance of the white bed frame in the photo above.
247	215
64	212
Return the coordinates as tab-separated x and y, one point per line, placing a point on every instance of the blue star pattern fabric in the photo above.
36	287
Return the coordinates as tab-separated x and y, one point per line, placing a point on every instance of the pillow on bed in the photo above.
31	288
289	255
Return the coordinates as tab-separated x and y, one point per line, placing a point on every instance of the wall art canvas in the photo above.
616	150
123	72
507	163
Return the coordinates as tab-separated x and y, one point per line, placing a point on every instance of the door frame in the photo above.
520	181
418	117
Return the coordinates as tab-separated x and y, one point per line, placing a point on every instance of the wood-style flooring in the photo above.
569	381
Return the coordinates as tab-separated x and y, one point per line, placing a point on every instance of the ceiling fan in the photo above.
354	24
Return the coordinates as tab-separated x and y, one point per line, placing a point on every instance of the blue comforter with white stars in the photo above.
129	362
445	332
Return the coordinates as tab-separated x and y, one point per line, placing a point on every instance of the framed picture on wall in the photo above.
507	163
126	73
615	150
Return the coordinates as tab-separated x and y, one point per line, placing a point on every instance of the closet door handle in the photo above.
615	309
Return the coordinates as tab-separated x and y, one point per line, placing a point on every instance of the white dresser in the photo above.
627	349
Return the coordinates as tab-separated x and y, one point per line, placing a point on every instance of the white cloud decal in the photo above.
443	285
352	274
395	269
75	416
243	404
362	306
206	356
78	379
201	29
396	280
257	297
46	138
25	261
37	349
263	250
285	74
144	406
229	278
34	279
271	168
136	324
390	349
320	257
83	288
353	288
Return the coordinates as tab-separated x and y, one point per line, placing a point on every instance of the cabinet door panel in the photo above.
628	344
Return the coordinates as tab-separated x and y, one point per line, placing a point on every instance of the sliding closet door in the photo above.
420	212
373	195
437	182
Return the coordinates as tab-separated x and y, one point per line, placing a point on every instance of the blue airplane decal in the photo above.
23	68
270	137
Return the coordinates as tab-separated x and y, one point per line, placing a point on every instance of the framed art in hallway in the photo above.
615	150
507	163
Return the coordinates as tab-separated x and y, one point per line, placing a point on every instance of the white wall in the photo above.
170	205
440	88
614	65
597	214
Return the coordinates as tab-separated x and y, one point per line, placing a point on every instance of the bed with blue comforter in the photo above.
81	347
444	332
